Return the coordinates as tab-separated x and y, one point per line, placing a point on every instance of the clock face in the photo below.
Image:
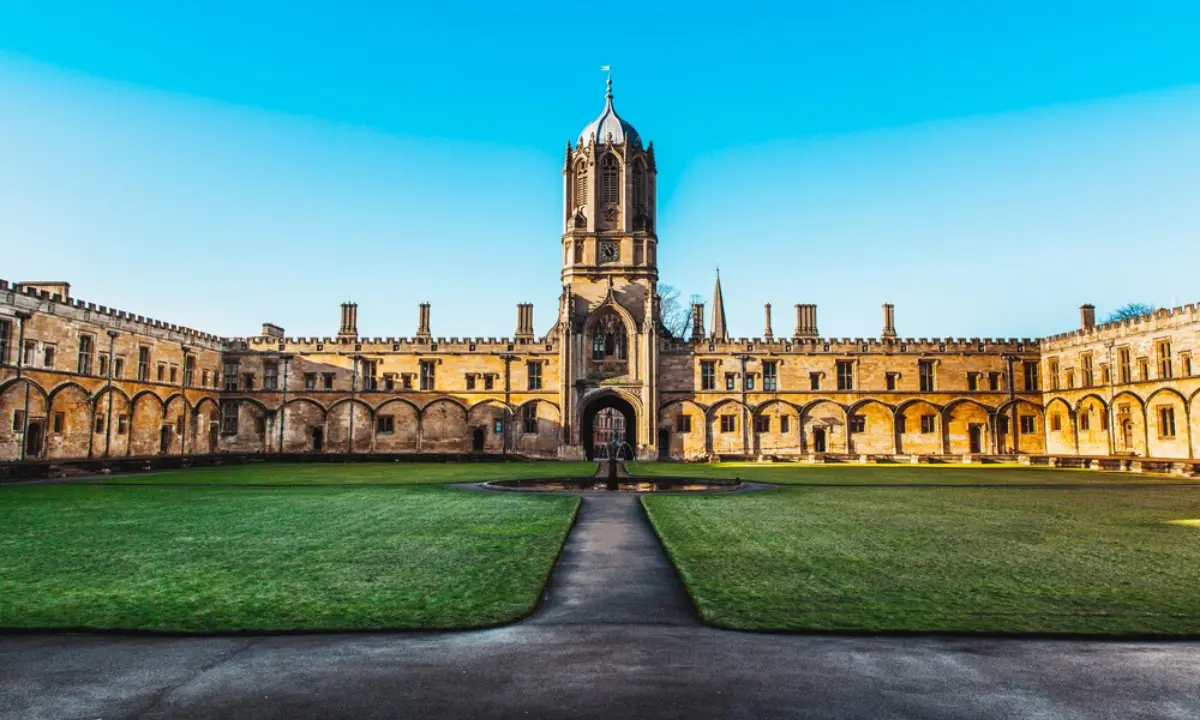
609	252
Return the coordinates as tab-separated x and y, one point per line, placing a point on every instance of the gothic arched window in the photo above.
581	185
610	179
639	184
609	341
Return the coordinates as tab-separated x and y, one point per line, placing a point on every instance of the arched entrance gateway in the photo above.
605	417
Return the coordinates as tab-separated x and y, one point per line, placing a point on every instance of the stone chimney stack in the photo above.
524	321
806	321
423	320
889	321
349	328
697	322
273	331
1087	316
767	334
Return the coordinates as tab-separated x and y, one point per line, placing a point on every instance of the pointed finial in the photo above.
608	94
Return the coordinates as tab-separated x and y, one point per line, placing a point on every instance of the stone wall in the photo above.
71	386
796	419
365	395
1120	408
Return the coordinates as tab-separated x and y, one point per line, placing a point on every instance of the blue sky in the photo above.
985	168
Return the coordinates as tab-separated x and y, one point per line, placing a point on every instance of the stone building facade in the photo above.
81	381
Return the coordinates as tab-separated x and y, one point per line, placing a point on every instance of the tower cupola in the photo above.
609	127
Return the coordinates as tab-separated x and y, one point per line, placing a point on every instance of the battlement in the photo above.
1141	323
88	308
847	345
390	344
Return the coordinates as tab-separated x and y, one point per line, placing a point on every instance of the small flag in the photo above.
606	68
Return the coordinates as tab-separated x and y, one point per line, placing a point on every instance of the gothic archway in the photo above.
620	407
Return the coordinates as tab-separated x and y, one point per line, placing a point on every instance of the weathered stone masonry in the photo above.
82	381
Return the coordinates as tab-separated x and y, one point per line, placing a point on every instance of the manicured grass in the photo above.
1079	560
362	473
888	474
207	559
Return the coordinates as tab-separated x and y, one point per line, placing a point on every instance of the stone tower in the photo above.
609	313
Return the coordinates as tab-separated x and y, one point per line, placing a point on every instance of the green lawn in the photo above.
1079	560
889	474
206	559
368	473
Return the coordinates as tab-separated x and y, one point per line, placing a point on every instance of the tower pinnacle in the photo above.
718	327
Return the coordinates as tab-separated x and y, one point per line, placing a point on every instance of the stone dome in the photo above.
609	126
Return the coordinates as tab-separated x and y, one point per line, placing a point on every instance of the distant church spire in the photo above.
718	327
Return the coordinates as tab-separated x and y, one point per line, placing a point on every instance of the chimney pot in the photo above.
1087	316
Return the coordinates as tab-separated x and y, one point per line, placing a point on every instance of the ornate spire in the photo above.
608	94
718	327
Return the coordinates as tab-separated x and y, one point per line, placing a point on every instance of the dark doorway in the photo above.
664	444
212	437
318	439
623	423
164	439
819	440
975	434
477	440
35	435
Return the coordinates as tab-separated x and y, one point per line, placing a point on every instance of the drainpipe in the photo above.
112	339
1108	409
23	316
353	386
507	400
183	438
283	401
1014	435
745	412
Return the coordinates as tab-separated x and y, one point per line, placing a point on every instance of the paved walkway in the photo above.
615	636
613	570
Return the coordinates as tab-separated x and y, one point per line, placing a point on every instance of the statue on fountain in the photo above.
613	450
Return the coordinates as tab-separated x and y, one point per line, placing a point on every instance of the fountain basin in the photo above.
625	485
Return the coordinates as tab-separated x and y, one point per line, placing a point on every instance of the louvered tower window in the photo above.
610	179
581	185
639	183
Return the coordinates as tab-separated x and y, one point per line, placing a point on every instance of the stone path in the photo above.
615	636
613	570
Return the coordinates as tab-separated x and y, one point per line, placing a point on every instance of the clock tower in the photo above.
609	208
609	310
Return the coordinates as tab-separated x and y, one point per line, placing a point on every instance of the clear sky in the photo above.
985	166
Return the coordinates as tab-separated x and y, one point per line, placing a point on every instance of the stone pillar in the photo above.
806	321
349	324
1087	316
767	334
697	322
889	320
423	320
524	321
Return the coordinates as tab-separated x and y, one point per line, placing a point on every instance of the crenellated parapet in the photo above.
32	298
852	346
1161	320
483	345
